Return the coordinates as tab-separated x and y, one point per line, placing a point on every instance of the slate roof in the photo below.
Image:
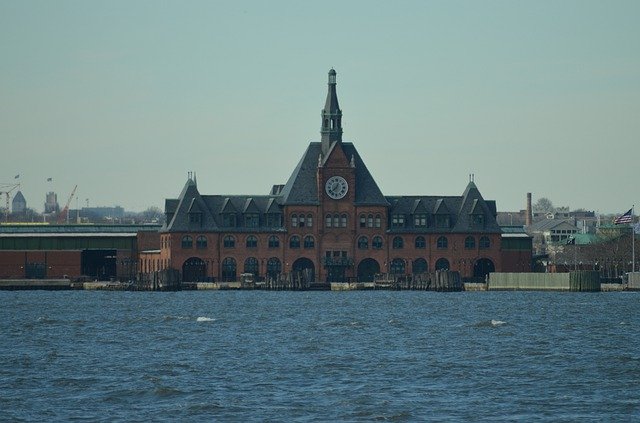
549	224
302	189
211	208
459	208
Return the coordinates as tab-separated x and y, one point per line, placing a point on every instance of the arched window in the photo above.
251	265
420	266
274	267
187	241
252	241
229	269
302	223
485	243
442	264
469	243
442	243
294	220
327	222
310	220
274	241
229	242
376	243
396	267
370	221
363	221
398	242
309	242
363	243
336	221
294	242
201	242
378	220
343	220
421	243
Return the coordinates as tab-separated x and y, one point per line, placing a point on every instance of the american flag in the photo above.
625	218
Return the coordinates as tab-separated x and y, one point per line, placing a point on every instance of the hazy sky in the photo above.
123	98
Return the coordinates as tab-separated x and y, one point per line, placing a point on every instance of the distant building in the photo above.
101	213
51	203
330	222
19	204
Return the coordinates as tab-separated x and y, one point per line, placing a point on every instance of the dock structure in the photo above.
578	281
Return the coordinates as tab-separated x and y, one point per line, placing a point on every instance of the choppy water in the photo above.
319	356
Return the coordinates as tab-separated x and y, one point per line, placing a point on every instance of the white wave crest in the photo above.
204	319
497	322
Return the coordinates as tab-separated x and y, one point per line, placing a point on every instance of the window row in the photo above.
335	221
251	220
370	221
421	243
300	220
229	241
251	241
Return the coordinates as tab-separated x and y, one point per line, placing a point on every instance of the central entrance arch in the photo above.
483	267
367	269
304	269
194	270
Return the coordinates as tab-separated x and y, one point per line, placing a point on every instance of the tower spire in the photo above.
331	129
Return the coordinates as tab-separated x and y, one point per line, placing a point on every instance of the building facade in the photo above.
329	222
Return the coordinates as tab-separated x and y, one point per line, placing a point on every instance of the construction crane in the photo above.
65	212
7	189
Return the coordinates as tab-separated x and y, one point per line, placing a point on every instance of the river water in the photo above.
319	356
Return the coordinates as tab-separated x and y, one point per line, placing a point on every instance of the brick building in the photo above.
103	252
329	222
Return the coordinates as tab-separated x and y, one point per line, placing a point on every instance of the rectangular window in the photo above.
301	222
442	221
420	220
397	220
251	220
477	220
274	220
229	220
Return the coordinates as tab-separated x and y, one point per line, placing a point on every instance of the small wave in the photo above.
490	323
168	318
204	319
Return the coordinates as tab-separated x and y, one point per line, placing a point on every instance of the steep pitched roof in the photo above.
190	201
302	187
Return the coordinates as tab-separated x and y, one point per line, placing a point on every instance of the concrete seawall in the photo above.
23	284
580	281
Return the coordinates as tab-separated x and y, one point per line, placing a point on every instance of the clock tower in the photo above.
331	129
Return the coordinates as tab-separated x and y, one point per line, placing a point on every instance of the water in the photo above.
319	356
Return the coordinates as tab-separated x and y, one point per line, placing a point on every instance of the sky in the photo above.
123	98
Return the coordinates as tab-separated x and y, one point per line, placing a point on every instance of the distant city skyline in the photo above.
124	98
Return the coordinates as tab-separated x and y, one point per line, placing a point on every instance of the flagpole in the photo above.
633	239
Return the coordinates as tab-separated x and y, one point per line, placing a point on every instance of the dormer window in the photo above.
443	221
229	220
397	220
420	220
274	220
251	220
195	218
477	220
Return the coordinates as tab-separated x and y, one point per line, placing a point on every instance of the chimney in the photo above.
529	217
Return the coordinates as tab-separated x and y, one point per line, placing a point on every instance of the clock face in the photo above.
336	187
